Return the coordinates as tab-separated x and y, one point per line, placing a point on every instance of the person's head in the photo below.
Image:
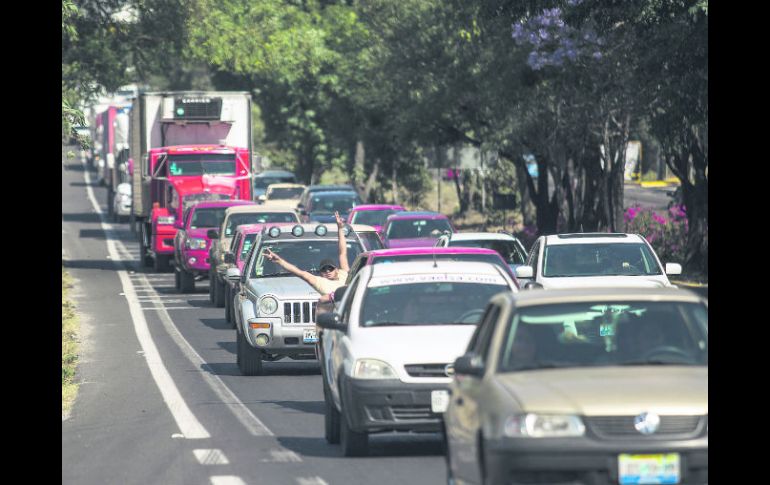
328	270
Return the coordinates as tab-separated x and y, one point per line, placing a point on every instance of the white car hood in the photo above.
659	281
412	344
284	288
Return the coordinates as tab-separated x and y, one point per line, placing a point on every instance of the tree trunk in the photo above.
394	183
370	180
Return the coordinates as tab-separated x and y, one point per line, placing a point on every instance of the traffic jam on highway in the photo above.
575	360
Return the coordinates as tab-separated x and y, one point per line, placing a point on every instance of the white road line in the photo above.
282	455
252	423
311	481
211	457
227	480
188	424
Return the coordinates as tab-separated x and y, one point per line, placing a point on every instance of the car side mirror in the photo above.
524	271
229	258
330	321
212	234
233	274
673	268
469	364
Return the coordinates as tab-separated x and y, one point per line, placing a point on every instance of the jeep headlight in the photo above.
373	369
195	243
543	426
268	305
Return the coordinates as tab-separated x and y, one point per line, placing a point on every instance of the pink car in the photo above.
414	229
384	256
372	214
192	243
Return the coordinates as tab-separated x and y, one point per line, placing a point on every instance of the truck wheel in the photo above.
212	288
250	359
219	293
161	263
353	443
186	282
331	418
177	280
144	246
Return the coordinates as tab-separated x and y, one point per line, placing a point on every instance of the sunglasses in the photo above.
328	269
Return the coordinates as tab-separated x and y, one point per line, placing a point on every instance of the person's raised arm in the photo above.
342	244
309	277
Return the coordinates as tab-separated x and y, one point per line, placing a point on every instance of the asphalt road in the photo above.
647	197
161	399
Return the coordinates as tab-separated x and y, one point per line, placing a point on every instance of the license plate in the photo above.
439	401
662	468
309	336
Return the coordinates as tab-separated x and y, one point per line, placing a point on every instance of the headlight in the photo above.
195	243
166	219
373	369
543	426
268	305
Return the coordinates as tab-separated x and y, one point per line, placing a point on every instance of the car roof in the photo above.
286	228
376	207
335	193
592	238
576	295
252	208
480	236
376	253
439	267
417	215
257	228
204	204
362	228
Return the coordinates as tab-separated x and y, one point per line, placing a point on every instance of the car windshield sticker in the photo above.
174	169
436	278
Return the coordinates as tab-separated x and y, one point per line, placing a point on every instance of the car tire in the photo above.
144	258
212	289
219	293
186	282
353	443
228	305
249	358
177	280
331	418
161	263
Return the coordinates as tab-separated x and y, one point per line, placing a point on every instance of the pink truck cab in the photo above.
180	176
414	229
192	241
372	214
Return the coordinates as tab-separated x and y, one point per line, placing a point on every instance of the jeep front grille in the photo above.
299	312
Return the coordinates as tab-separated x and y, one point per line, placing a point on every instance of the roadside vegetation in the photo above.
69	345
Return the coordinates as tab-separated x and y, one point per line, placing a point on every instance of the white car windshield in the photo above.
304	254
602	333
599	259
427	303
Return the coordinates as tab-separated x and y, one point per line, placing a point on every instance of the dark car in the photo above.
321	206
312	189
268	177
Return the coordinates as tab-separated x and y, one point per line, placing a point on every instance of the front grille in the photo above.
426	370
411	413
623	426
299	312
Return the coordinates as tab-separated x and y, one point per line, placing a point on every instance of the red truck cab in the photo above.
181	176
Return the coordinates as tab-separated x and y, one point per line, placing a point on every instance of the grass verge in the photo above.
69	345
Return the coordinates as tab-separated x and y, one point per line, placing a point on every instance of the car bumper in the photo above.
163	239
390	405
284	339
563	461
200	264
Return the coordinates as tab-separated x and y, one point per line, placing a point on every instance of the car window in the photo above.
358	263
348	299
234	243
508	249
248	242
604	333
242	218
370	240
415	228
474	344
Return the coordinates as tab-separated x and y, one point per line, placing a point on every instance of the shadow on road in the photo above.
104	264
385	445
311	407
216	323
269	369
81	217
228	347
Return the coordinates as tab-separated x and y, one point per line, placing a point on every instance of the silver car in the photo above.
275	311
583	386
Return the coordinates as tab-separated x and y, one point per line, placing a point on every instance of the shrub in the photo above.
667	232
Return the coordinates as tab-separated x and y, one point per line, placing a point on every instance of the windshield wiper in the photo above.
273	275
655	362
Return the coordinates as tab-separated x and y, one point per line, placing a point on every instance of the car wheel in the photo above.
353	443
177	280
143	246
186	282
160	264
228	305
219	293
331	418
250	359
238	338
212	289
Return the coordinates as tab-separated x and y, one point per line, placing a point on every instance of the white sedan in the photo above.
122	202
594	260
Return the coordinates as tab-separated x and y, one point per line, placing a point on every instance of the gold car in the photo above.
597	385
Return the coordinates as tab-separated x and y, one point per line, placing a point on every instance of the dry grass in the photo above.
69	346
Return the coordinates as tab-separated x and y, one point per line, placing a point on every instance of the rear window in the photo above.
415	228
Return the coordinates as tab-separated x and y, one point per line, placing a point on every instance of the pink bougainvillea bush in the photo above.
666	231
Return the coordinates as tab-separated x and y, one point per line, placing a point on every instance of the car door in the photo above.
333	350
463	422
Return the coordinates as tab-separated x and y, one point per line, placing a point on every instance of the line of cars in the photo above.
596	374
